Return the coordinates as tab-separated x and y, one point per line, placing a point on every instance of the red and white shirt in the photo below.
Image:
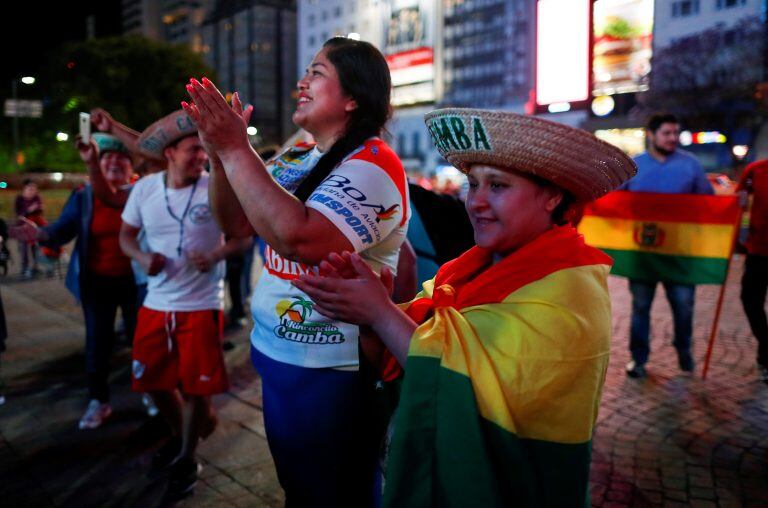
755	180
366	198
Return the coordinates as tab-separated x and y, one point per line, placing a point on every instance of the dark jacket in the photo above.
74	221
439	230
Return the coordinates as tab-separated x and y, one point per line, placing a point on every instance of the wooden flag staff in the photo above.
719	307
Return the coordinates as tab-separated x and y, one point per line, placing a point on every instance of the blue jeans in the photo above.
680	296
100	298
318	430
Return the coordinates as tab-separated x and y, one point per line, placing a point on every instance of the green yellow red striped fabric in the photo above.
503	380
680	238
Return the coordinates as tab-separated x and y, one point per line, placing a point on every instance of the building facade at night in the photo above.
441	53
501	54
173	21
319	20
720	36
252	47
488	60
681	18
251	44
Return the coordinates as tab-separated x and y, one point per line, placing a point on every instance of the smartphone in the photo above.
85	127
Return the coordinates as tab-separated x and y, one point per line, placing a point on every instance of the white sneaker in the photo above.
152	410
95	415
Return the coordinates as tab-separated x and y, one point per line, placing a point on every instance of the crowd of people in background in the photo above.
491	278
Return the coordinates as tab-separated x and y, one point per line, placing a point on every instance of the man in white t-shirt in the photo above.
177	346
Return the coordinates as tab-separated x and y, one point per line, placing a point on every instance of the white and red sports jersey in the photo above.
366	198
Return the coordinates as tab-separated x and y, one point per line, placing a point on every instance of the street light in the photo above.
740	151
252	131
27	80
62	136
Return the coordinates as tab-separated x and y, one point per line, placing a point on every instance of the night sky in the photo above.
29	29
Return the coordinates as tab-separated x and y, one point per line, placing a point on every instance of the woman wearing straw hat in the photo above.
505	351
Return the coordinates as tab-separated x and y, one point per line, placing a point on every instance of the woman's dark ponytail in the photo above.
364	76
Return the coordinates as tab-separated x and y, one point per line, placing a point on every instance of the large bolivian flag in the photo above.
680	238
503	379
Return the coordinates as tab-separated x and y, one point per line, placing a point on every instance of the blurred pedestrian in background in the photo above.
754	282
99	274
3	337
235	268
663	168
116	198
5	254
29	207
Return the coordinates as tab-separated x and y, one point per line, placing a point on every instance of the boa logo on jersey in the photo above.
356	223
343	183
387	214
294	324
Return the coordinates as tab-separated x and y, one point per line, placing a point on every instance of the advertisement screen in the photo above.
622	52
562	51
408	47
632	140
406	29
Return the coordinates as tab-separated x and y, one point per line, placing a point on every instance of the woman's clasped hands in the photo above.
346	289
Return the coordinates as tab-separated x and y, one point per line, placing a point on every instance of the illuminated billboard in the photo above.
623	32
562	52
631	141
409	50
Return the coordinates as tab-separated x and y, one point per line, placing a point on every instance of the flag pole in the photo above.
719	308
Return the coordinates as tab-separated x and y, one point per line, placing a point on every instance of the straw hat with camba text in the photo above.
570	158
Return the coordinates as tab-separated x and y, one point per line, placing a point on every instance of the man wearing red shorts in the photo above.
177	354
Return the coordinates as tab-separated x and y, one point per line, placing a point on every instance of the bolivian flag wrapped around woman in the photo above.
503	379
505	351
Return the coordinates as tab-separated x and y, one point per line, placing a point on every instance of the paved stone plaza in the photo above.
668	440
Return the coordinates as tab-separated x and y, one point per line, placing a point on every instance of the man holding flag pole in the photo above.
655	237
